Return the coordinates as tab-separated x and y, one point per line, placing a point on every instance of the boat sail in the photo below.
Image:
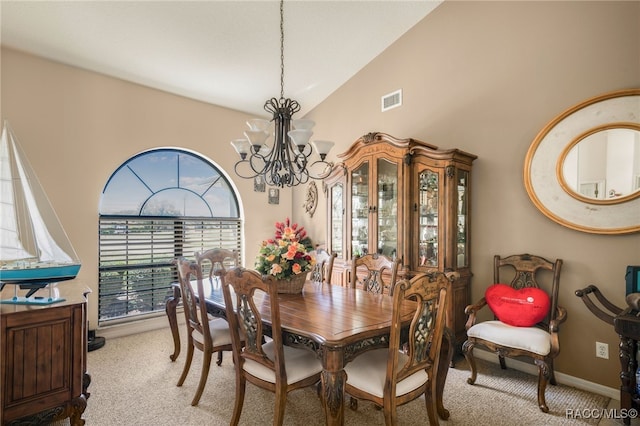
34	249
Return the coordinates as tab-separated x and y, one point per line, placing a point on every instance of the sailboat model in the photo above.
34	249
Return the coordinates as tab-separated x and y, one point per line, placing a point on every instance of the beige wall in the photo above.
484	77
77	127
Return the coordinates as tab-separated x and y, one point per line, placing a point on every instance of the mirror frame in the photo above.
543	175
573	144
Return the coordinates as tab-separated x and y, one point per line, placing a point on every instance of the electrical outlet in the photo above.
602	350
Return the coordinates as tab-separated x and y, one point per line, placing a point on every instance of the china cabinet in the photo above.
404	198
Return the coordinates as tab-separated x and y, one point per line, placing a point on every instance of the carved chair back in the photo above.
217	258
525	271
374	267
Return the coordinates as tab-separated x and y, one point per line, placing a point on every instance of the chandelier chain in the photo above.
281	49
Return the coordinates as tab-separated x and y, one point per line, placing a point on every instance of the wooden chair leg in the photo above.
241	385
446	360
353	403
543	378
187	364
503	364
206	365
552	372
219	362
467	350
430	397
281	402
390	413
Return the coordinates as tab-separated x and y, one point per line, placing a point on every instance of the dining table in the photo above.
337	323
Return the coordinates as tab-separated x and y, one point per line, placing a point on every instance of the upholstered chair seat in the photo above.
219	330
370	372
298	363
531	339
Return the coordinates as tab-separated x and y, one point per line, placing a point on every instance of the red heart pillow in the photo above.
521	308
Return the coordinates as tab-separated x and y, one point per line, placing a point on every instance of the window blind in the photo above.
135	259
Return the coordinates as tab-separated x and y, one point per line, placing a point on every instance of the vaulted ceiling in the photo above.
222	52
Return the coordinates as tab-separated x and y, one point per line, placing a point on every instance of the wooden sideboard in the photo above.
43	359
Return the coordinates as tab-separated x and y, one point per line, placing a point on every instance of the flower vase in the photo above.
292	285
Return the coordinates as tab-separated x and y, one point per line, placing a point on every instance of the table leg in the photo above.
170	309
333	382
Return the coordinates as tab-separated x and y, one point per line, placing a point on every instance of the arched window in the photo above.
159	205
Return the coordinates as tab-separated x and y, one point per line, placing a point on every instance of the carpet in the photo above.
134	383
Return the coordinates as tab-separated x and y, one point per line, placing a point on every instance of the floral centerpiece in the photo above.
286	257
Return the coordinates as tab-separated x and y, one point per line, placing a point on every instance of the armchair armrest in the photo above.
561	316
610	310
472	310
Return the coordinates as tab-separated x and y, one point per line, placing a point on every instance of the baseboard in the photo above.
562	378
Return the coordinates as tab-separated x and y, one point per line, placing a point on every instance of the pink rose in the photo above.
275	269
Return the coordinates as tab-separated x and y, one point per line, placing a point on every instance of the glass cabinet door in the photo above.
428	182
360	208
337	225
462	219
387	207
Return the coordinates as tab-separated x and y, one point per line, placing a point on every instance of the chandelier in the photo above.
288	161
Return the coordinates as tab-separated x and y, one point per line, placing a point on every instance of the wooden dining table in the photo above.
335	322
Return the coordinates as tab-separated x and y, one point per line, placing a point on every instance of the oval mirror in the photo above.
581	182
603	165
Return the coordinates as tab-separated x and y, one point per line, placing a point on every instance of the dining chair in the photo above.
407	368
526	320
263	360
372	268
216	258
321	273
204	334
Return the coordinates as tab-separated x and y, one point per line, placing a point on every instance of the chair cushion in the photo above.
219	329
368	372
523	307
531	339
299	364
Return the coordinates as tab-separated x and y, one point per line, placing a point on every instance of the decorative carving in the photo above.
351	351
626	370
333	385
42	418
311	201
369	137
450	171
301	341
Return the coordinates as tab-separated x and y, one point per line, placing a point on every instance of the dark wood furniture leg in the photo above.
627	376
170	309
333	382
446	356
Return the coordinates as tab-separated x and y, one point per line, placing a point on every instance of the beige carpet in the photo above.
133	383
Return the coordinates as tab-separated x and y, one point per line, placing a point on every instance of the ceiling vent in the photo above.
391	100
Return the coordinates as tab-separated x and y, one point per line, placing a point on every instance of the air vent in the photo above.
391	100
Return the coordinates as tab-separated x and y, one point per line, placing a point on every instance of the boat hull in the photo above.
45	274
